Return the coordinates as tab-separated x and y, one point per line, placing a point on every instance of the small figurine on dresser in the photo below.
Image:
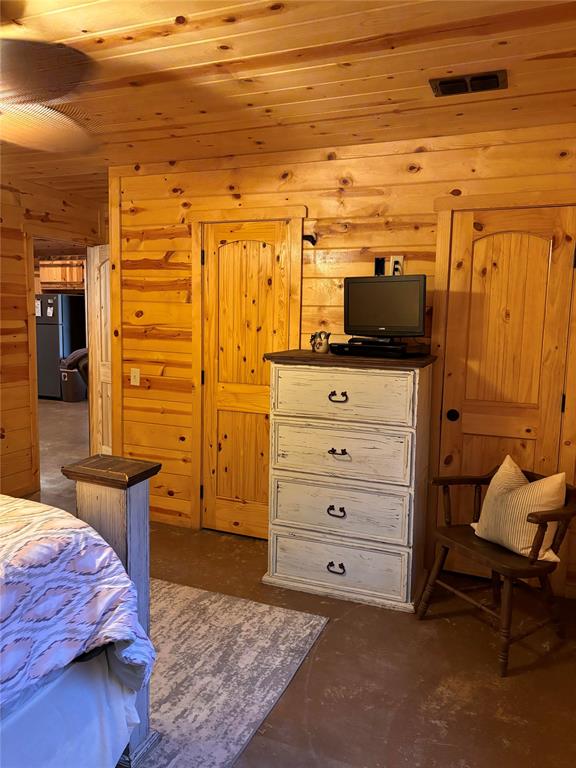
319	341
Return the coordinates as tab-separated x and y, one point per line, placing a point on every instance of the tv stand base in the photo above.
370	347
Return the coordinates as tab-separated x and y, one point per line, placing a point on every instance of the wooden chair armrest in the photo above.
464	480
555	515
561	516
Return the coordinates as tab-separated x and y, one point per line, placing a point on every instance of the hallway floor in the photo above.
63	431
379	689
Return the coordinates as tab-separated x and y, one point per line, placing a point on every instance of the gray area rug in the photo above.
223	663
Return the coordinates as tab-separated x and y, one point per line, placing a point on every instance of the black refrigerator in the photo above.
60	329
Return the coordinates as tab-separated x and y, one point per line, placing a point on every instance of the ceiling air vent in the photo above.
476	83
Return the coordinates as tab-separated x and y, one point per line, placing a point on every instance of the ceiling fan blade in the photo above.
36	126
36	71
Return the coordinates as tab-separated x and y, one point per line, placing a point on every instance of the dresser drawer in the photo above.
339	566
380	514
339	393
354	451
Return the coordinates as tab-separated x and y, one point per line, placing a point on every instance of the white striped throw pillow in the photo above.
509	500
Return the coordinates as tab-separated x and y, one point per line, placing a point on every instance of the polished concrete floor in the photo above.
379	689
63	431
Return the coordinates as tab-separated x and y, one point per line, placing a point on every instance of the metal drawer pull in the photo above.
333	397
332	511
334	452
340	571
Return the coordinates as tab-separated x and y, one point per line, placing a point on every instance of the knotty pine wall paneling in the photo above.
156	294
50	214
28	210
363	201
19	473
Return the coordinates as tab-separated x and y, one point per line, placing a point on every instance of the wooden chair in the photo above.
506	566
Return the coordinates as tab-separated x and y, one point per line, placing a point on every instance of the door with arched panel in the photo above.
251	306
507	338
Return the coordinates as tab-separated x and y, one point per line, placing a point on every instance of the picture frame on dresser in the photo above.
348	475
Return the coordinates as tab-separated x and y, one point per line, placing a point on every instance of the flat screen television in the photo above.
385	307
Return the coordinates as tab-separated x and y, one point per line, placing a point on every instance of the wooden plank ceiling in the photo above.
47	248
183	79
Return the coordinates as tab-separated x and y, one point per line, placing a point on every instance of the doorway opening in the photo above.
62	364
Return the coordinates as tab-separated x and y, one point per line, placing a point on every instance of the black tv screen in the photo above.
385	306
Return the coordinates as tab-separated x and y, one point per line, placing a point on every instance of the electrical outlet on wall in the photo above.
397	264
135	377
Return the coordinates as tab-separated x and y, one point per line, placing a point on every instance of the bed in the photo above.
72	650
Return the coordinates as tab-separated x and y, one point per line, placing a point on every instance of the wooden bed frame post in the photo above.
112	497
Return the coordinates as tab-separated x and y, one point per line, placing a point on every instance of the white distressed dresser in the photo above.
348	475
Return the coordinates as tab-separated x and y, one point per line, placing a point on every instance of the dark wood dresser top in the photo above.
329	360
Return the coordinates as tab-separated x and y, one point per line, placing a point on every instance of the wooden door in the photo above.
506	343
99	348
251	306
